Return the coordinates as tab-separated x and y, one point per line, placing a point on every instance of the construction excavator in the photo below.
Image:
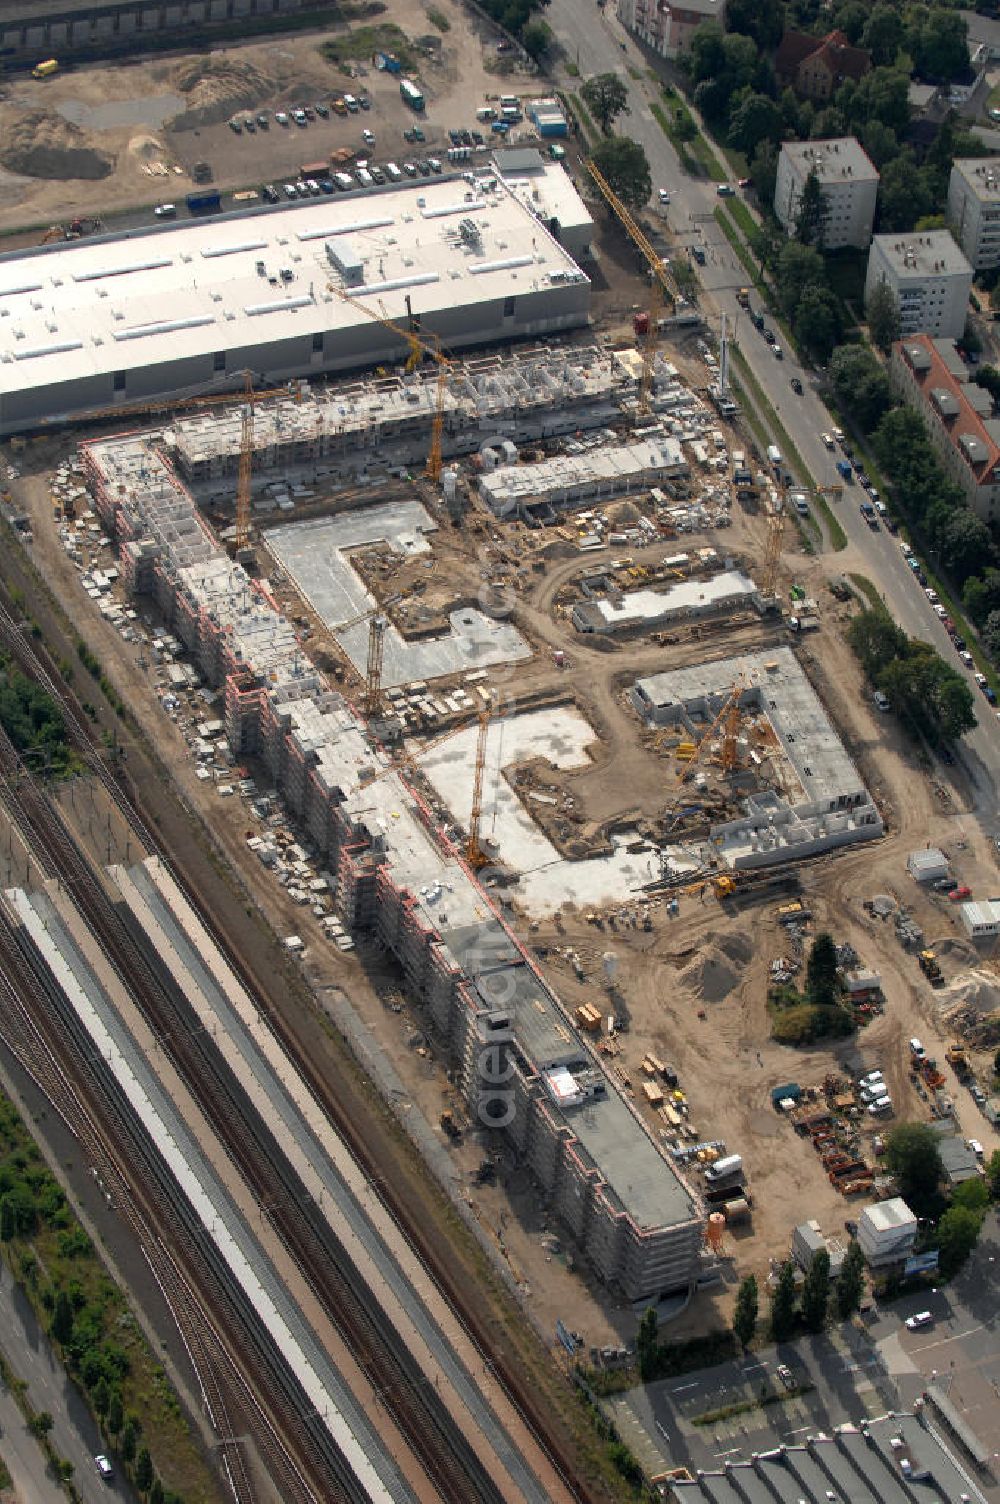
76	229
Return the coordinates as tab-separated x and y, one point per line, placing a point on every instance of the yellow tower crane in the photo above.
417	348
373	672
663	289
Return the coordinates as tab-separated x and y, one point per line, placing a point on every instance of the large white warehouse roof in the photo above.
252	282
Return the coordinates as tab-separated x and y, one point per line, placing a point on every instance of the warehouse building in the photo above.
893	1459
396	876
281	292
821	802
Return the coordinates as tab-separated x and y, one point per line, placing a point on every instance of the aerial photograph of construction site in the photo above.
500	997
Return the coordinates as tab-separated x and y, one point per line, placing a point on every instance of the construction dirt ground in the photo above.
693	986
117	139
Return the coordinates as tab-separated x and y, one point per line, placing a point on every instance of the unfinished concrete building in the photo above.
816	800
386	421
629	610
537	490
394	874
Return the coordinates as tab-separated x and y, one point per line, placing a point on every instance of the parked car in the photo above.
921	1319
664	196
881	701
726	190
961	892
796	386
786	1376
270	194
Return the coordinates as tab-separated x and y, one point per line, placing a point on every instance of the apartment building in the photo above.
974	209
931	376
929	277
668	27
815	67
849	182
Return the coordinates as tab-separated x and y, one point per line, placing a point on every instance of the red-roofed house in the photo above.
931	376
816	66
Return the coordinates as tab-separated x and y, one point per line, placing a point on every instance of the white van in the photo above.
165	211
393	173
364	177
730	1164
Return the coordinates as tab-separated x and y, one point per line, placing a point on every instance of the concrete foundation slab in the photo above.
314	554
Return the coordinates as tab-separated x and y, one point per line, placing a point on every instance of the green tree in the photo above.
745	1314
810	220
902	195
817	321
938	42
911	1152
783	1304
884	323
100	1397
883	34
536	39
989	377
850	1281
966	544
8	1219
816	1292
879	141
972	1194
764	20
981	595
41	1424
129	1439
647	1344
143	1470
754	120
61	1326
861	384
821	971
116	1415
156	1492
764	172
798	268
993	1175
876	639
626	167
957	1235
606	97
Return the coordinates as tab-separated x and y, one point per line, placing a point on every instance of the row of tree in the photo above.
810	1309
931	698
963	542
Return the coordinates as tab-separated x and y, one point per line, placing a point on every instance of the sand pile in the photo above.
216	88
146	148
714	972
627	514
43	145
971	1004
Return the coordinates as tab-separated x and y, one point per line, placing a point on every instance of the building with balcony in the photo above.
929	277
849	182
932	377
974	209
668	27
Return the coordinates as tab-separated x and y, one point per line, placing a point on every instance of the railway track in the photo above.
447	1458
444	1452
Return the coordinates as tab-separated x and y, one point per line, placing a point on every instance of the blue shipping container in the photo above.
204	203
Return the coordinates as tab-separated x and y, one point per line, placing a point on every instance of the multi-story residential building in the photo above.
931	376
849	182
666	26
930	278
974	209
816	66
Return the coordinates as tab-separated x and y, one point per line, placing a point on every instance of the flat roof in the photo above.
886	1216
546	189
187	289
841	159
981	175
933	253
776	684
686	595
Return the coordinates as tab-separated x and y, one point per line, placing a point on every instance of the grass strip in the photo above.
736	241
669	129
836	534
583	119
869	591
744	219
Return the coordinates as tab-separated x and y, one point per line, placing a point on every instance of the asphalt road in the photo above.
595	41
73	1435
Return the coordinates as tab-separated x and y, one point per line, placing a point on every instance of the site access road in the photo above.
594	39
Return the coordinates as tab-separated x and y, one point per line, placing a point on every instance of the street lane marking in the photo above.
944	1340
